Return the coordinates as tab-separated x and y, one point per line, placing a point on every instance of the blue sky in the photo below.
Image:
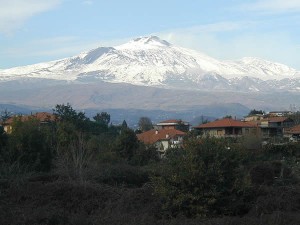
33	31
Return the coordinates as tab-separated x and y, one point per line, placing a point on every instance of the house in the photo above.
227	127
43	117
279	113
166	134
254	117
293	133
173	124
274	126
162	139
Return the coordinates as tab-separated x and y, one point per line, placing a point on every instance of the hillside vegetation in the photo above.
79	171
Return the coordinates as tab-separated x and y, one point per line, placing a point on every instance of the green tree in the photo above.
145	124
254	112
29	144
124	125
3	139
66	113
102	118
203	179
126	144
4	115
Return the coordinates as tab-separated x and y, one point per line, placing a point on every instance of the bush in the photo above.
123	174
30	146
203	179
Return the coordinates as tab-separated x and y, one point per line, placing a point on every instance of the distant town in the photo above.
276	127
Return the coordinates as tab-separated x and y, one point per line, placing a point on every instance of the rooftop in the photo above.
153	136
226	122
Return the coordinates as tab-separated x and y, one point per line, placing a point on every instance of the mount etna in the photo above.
148	73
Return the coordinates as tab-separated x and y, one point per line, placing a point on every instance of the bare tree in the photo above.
145	124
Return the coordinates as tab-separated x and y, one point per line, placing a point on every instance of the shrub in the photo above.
202	179
123	174
30	145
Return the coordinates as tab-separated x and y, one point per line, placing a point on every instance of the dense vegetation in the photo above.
80	171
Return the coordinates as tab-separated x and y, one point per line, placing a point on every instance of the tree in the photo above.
254	112
145	124
29	145
66	113
124	125
102	118
3	138
126	143
4	115
203	179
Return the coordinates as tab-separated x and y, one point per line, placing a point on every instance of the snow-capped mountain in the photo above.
150	61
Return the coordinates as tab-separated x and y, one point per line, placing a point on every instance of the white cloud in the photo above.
273	6
14	13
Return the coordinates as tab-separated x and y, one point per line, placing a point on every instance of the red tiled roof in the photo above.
294	130
171	121
41	116
44	116
152	136
276	119
226	122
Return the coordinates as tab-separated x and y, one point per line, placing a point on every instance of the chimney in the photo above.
156	132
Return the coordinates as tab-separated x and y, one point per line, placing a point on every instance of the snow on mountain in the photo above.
150	61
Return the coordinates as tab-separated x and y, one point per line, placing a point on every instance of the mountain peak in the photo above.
154	40
145	42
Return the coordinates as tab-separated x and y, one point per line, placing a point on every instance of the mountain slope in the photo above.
150	61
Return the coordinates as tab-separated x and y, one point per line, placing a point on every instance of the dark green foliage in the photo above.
271	151
101	175
181	126
203	179
145	155
66	113
124	125
262	174
254	112
3	138
123	174
192	134
30	146
102	118
4	115
126	144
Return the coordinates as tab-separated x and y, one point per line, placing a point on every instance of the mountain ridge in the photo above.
151	61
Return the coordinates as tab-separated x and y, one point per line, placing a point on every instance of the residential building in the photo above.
279	113
173	124
293	133
227	127
255	117
43	117
274	126
166	134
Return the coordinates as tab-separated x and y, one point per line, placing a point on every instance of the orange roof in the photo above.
226	122
276	119
294	130
171	121
153	136
41	116
44	116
